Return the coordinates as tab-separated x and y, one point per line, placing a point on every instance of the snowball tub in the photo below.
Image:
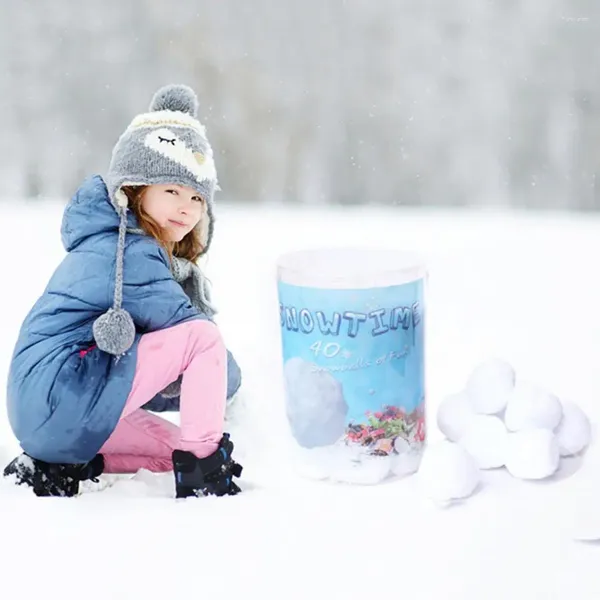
352	337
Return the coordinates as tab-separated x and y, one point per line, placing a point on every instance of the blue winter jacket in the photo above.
63	406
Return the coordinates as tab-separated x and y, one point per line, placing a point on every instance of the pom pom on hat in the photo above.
114	331
175	97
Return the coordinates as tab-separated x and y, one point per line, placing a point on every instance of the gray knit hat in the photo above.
166	145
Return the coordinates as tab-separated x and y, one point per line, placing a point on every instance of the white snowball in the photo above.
447	472
369	470
574	431
532	407
407	463
485	439
401	446
454	414
532	454
408	459
341	463
489	385
315	404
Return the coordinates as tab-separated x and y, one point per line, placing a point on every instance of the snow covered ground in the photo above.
521	287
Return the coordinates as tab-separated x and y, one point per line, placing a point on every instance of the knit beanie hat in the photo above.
166	145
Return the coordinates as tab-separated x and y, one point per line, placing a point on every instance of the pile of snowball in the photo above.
499	421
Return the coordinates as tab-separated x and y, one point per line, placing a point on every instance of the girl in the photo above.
83	373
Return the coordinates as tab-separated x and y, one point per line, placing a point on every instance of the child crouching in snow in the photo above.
83	372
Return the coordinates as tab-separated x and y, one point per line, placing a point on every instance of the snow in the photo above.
532	300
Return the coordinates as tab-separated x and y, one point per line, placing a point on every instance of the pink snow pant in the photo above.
143	440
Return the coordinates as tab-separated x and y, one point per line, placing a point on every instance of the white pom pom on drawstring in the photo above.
175	97
114	331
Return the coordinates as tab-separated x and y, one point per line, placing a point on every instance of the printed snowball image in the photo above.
315	404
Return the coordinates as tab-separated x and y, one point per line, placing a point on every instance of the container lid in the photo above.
349	268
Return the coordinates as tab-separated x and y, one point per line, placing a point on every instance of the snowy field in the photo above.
521	287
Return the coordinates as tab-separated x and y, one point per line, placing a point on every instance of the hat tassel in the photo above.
114	331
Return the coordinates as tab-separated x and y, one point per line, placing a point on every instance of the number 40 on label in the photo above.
328	350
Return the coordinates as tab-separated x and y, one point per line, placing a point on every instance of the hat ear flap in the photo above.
203	226
121	198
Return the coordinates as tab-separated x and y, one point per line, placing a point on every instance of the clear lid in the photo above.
349	268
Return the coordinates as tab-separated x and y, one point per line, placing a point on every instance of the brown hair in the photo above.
189	247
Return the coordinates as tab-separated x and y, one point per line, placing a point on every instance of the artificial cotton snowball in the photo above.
485	440
447	472
368	470
574	431
453	415
407	459
341	463
407	463
532	407
532	454
489	385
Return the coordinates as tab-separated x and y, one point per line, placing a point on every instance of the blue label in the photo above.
354	365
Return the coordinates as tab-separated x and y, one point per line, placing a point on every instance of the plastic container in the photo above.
352	332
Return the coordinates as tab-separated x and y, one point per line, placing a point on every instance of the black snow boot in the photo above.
53	479
210	476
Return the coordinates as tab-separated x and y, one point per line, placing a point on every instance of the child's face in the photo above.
175	208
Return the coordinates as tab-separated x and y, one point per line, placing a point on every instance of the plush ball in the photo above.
532	407
485	439
175	97
532	454
114	331
489	385
447	472
574	431
453	415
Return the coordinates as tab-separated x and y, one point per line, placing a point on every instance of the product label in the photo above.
354	366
